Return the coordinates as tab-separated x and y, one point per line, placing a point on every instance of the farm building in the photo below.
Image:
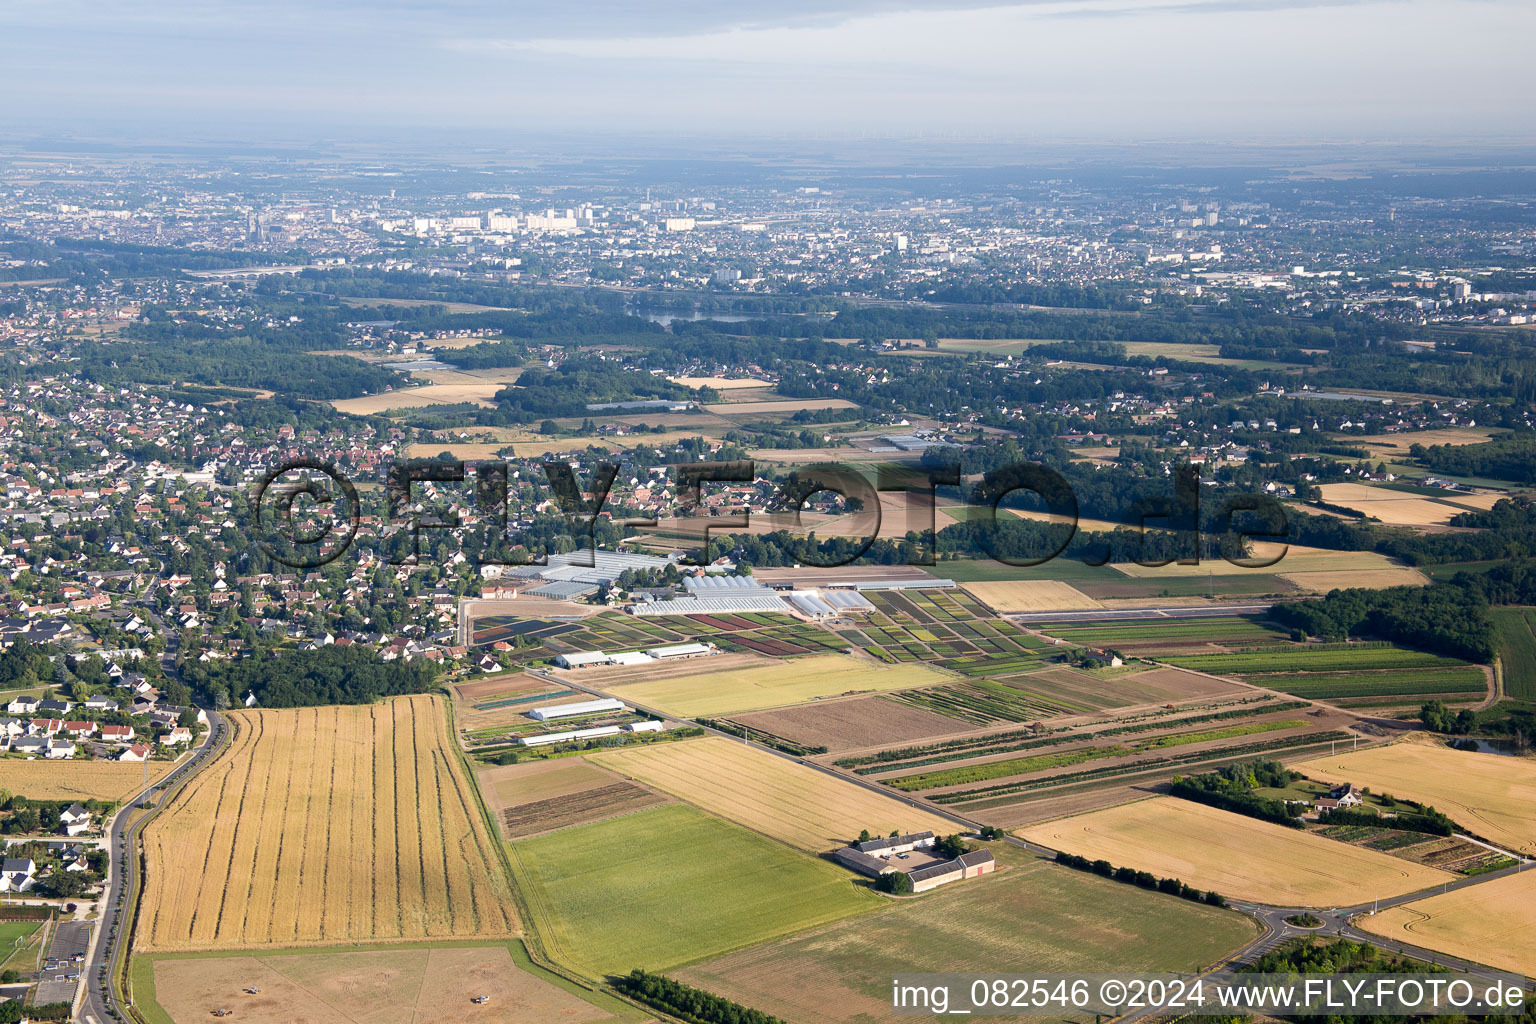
967	865
879	857
566	737
828	604
578	709
680	651
597	659
1342	795
891	846
644	727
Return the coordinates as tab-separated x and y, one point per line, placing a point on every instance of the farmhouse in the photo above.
1342	795
578	709
879	857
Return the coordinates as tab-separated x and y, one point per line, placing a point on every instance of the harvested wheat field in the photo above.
722	383
841	725
1240	857
377	986
1395	446
324	825
1296	558
786	801
795	681
1492	923
1322	582
1030	596
1489	794
788	406
1397	508
479	393
77	780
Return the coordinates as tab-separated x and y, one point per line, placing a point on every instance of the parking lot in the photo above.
69	938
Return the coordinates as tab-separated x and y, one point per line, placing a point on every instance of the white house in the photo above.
75	819
16	874
180	734
137	752
23	705
59	750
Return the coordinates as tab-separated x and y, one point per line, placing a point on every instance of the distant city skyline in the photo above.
1081	69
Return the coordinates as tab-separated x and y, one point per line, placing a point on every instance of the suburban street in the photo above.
95	1000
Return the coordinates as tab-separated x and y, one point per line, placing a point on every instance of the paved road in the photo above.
69	938
106	950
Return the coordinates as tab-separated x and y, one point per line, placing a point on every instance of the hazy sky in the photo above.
1043	68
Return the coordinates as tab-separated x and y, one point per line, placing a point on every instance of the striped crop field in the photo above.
1516	628
1331	685
1305	659
321	826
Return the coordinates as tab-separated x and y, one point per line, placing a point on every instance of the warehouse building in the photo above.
595	659
578	709
565	737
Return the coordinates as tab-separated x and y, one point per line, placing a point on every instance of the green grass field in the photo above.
15	937
671	885
1517	649
1028	915
1303	659
1325	685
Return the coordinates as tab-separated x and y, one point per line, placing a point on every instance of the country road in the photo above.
96	1004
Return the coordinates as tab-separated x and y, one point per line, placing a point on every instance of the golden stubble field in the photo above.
709	692
78	780
1492	795
1240	857
1403	508
324	825
790	802
1492	922
370	986
1030	596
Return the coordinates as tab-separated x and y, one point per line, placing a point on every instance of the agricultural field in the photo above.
1322	582
1030	596
323	825
1400	508
542	796
671	885
1240	857
795	804
710	693
722	383
1361	657
842	725
788	406
1491	923
479	393
1395	446
1298	559
78	780
417	985
1076	922
1377	687
986	771
1488	794
1516	628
